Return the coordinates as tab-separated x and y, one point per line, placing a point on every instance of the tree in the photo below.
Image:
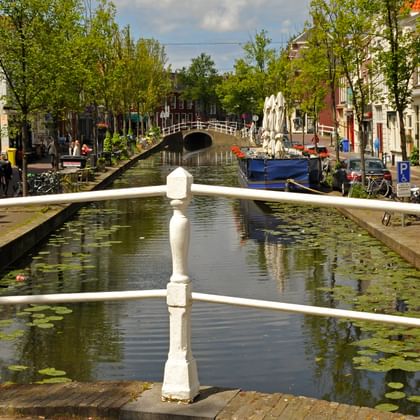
152	82
398	56
199	82
351	26
323	40
311	79
101	62
282	76
67	65
246	89
30	32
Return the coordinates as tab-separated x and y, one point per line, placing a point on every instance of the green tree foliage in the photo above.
398	52
323	40
199	81
281	77
32	37
351	27
152	81
311	80
247	87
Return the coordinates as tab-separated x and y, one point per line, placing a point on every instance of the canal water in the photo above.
278	252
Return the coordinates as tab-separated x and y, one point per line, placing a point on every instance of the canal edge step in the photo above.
137	400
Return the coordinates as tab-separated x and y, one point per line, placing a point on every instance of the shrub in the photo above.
414	157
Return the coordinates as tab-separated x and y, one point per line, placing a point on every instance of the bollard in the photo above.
180	381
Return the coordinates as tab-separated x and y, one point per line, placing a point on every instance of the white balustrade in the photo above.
180	378
225	127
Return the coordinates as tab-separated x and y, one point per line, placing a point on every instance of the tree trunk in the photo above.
25	143
403	138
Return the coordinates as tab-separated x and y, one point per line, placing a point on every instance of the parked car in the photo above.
351	171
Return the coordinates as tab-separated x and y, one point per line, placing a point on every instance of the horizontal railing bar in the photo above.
306	309
308	199
202	297
82	297
210	190
82	197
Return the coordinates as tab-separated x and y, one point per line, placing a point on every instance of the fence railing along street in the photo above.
180	382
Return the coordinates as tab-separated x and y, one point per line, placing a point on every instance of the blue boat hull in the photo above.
277	174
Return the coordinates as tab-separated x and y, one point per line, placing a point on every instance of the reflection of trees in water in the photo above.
75	344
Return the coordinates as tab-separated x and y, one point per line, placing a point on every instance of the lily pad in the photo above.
395	385
414	398
395	395
62	310
17	368
6	323
387	407
51	372
45	325
37	308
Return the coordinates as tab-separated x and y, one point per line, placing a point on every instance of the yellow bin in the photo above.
11	155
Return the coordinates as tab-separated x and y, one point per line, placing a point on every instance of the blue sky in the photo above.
216	27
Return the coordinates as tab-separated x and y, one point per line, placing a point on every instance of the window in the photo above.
173	102
379	114
213	109
180	103
189	104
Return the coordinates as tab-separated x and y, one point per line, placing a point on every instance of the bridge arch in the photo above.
196	140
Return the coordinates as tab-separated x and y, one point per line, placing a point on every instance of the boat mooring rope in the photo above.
292	181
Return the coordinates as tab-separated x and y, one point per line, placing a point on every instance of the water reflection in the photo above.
275	252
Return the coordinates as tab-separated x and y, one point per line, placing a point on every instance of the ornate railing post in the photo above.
180	379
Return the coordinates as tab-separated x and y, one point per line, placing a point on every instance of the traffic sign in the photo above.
403	171
403	189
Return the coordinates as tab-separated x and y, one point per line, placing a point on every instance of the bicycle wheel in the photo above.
386	218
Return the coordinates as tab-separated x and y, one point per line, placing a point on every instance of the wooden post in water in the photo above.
180	378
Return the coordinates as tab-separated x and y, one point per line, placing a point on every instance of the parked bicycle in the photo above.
374	187
43	183
414	198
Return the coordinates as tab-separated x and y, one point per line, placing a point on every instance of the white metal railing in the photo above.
180	377
325	129
226	127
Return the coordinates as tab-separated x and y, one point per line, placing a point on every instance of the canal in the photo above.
286	253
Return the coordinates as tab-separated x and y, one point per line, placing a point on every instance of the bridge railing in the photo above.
180	382
226	127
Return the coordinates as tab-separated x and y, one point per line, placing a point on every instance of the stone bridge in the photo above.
198	135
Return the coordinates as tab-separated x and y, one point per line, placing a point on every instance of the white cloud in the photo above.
210	15
201	21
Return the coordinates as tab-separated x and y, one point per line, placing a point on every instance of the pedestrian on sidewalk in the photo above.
76	148
71	147
52	152
5	174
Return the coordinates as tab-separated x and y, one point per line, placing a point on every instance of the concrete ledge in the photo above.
402	240
149	405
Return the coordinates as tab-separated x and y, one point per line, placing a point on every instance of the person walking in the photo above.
6	172
71	148
76	148
52	152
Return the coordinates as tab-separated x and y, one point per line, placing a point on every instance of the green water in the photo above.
284	253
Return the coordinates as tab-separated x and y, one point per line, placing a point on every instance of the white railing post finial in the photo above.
180	381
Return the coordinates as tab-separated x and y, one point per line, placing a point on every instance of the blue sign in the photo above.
403	171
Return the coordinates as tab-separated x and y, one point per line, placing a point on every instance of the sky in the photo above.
218	28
